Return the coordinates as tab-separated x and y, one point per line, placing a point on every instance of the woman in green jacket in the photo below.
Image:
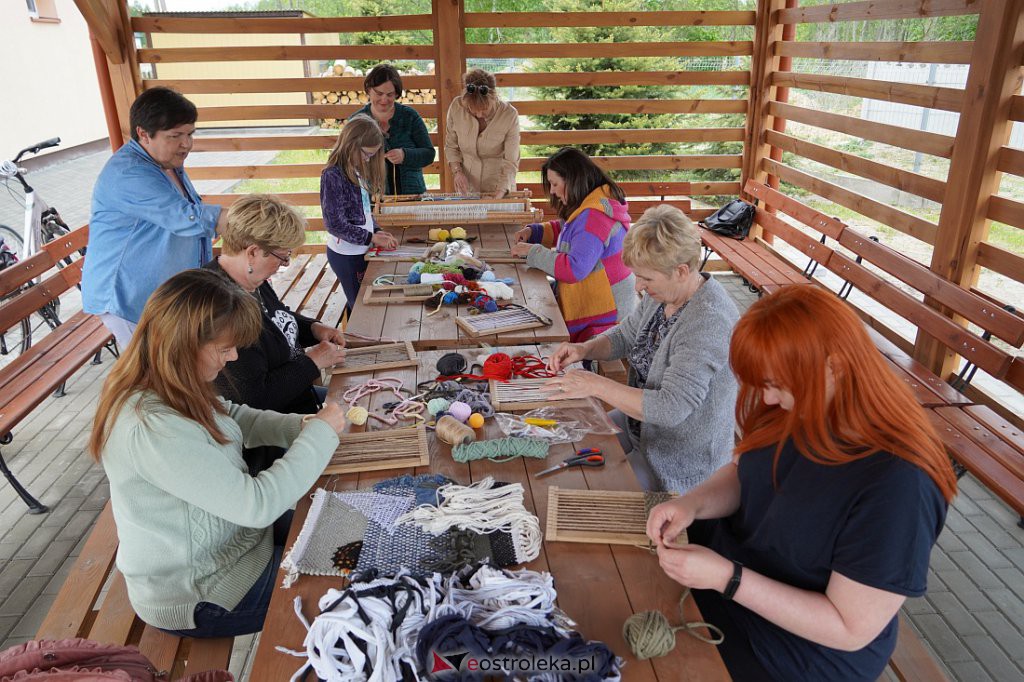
200	539
407	146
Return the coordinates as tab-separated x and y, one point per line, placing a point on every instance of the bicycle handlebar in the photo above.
38	147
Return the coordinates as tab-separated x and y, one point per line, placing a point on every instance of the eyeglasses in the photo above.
285	259
472	88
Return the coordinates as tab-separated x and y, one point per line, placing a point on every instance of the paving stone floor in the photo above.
972	617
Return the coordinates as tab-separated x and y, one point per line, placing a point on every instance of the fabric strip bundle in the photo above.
382	629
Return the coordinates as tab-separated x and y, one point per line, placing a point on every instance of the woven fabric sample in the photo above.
331	524
405	547
382	509
406	485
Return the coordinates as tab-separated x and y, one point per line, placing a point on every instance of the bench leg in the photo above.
34	506
60	392
1021	522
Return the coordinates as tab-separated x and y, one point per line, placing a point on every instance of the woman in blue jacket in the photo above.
407	147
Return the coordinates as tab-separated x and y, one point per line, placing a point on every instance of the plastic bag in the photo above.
572	422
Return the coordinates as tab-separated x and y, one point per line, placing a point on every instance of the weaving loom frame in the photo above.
604	508
384	219
411	359
493	255
413	451
532	399
382	294
466	325
392	257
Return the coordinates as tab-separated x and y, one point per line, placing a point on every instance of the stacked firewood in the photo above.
358	97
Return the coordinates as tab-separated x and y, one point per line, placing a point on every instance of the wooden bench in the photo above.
45	366
93	603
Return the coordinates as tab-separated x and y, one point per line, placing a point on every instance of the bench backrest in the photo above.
17	306
983	312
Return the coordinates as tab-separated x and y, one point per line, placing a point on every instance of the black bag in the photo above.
732	220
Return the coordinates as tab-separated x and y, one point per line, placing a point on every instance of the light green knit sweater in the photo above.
193	525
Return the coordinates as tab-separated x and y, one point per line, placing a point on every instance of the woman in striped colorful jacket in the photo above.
582	250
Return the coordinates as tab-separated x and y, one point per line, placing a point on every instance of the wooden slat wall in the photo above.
961	233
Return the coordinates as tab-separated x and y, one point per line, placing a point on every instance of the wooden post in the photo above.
110	23
767	32
993	79
449	65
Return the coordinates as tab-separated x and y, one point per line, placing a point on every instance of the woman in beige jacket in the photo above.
482	138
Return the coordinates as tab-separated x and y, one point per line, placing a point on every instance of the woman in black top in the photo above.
278	371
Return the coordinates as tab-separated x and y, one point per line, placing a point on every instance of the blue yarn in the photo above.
508	280
490	306
451	297
417	266
487	276
414	277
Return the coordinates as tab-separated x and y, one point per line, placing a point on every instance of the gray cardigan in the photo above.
690	395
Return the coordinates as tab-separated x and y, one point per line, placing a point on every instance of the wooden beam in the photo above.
873	10
1001	260
450	65
934	52
764	65
694	48
412	22
631	106
931	96
109	23
204	86
620	78
1007	211
984	128
168	55
104	27
534	19
897	136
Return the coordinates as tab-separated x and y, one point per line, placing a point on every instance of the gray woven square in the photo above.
383	509
331	524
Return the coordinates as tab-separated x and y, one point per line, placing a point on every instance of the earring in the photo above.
250	269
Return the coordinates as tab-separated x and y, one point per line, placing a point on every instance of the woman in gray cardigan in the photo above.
677	412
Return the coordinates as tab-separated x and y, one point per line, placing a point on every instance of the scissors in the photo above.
588	457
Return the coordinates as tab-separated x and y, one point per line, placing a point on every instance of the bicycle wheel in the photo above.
18	338
12	238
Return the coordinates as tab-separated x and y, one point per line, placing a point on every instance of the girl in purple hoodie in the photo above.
354	174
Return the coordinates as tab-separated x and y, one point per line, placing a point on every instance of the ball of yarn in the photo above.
458	233
414	277
487	276
434	234
486	304
443	234
649	634
460	410
498	366
451	298
357	415
435	406
476	420
453	432
417	266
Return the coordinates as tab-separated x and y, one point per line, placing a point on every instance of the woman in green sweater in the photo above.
200	539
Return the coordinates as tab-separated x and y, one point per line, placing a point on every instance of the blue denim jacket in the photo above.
141	233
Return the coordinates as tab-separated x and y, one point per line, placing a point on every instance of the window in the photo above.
42	10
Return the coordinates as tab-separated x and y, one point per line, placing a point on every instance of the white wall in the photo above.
48	85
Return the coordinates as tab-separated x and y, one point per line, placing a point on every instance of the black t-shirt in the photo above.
873	520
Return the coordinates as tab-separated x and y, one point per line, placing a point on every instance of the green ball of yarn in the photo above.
500	449
437	405
649	634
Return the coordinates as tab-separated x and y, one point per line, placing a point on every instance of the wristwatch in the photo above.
734	581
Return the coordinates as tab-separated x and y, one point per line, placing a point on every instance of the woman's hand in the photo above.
565	355
321	332
462	185
500	194
576	383
334	415
521	250
524	234
395	156
384	240
326	354
667	520
695	566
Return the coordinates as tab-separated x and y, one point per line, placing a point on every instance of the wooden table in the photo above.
410	322
599	586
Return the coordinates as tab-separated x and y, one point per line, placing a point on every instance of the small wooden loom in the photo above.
510	319
374	358
419	209
522	395
382	294
413	253
606	517
377	450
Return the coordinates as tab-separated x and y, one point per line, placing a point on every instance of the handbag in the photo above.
732	220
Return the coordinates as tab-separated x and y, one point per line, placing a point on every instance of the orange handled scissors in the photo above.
590	457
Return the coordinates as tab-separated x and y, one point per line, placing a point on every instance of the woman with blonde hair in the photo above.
482	138
200	540
676	413
351	181
279	370
804	548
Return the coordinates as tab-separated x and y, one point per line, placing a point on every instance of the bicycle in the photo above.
42	224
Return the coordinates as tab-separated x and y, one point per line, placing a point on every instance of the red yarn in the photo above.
502	367
498	366
455	278
531	367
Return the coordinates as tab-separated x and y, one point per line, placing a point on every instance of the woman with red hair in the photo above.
804	547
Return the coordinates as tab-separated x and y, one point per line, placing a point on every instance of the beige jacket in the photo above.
491	159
